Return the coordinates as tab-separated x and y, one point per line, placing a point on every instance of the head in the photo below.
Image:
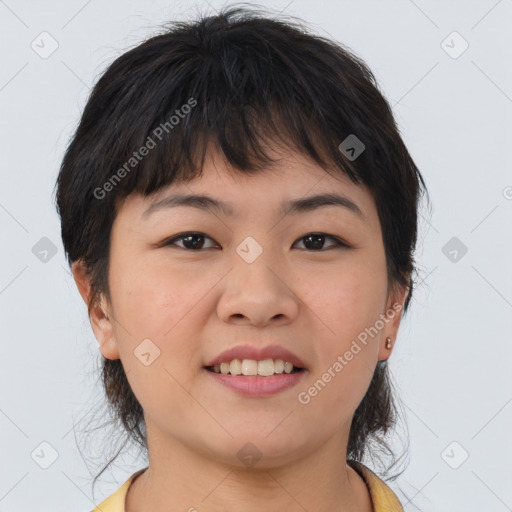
253	112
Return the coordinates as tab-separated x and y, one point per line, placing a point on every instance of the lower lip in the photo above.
255	386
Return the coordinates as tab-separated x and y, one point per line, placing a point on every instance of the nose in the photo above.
258	294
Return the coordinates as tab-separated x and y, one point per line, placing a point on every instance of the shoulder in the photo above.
383	498
116	501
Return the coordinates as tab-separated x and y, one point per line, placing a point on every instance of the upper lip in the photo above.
258	353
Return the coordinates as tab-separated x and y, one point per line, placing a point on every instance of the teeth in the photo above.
235	367
264	368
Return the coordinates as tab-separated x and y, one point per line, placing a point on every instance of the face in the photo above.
312	281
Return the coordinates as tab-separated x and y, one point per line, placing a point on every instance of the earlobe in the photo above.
386	347
109	349
393	314
103	327
101	322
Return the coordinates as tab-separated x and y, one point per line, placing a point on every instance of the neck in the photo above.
319	481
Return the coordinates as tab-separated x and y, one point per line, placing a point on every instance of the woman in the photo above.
240	215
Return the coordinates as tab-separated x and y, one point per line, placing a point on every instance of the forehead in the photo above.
291	178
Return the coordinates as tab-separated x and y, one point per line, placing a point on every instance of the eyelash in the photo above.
338	241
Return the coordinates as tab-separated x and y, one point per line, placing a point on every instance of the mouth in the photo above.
256	379
254	372
254	368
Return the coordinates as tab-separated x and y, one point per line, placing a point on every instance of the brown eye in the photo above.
192	241
316	241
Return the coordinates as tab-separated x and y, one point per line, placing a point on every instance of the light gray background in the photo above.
452	361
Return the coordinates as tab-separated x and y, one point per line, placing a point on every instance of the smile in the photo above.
251	367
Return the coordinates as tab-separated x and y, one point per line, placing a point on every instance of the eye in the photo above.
312	241
315	241
191	240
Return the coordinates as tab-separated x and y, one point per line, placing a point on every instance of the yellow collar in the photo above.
383	498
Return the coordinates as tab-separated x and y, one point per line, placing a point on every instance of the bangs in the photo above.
244	136
243	95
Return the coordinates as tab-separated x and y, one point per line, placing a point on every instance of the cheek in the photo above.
347	300
152	298
340	391
166	306
348	304
346	354
161	306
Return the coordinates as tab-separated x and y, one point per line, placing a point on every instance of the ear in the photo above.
392	318
101	320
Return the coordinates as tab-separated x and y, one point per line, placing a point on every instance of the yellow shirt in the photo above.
383	498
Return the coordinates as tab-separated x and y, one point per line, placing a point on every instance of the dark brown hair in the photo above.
251	81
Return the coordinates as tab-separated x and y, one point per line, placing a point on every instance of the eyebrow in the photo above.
295	206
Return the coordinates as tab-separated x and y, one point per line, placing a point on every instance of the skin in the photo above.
193	304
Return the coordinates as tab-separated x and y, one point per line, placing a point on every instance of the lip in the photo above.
257	386
250	352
